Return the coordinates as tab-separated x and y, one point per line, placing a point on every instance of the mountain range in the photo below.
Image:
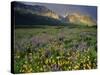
41	15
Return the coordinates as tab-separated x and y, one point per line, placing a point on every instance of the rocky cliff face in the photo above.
81	19
35	9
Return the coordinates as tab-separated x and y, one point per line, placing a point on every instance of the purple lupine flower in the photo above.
43	39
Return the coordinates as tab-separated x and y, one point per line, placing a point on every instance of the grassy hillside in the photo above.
55	48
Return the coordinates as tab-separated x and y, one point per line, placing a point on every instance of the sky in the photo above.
63	9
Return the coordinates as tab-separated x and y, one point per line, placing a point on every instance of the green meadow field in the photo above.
55	48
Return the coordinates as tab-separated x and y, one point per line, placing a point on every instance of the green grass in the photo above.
55	48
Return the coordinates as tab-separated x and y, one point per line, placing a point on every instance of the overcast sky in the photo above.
63	9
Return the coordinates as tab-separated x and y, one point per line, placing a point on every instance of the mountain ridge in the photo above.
39	13
78	18
36	9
